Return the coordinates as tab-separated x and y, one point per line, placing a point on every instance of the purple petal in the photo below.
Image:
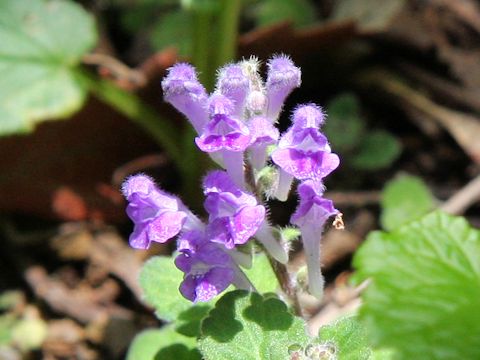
313	210
246	223
187	288
262	131
213	283
304	165
224	133
166	226
308	116
282	77
233	83
137	184
182	89
138	238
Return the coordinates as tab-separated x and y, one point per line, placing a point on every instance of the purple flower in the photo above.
157	216
233	83
208	269
234	215
263	134
182	89
223	132
283	76
303	151
311	215
227	135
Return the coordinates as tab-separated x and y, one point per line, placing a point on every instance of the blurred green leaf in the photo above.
377	150
300	12
162	344
348	337
248	326
174	28
424	297
372	15
404	199
42	44
344	127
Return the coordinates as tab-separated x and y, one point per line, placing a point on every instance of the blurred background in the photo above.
399	79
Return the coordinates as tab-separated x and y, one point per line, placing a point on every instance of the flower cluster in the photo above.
235	125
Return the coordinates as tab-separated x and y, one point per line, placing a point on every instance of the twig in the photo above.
354	198
136	165
115	68
464	198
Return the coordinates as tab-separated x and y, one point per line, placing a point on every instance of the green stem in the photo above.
227	32
202	46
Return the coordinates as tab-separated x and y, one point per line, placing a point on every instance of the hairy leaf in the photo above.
248	326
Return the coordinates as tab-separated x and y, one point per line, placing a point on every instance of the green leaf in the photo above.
173	29
371	15
248	326
300	12
404	199
160	280
378	150
42	44
261	274
162	344
344	127
348	337
424	297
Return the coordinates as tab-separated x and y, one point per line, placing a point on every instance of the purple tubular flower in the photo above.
223	131
303	151
182	89
208	268
233	83
234	215
311	216
157	216
226	134
283	76
263	134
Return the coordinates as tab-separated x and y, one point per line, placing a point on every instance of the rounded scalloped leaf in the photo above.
249	326
42	44
424	298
